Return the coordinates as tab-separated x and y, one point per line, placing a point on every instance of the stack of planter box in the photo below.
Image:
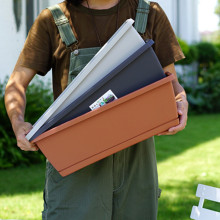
72	136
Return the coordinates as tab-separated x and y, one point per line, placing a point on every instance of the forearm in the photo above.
15	97
178	89
15	101
181	102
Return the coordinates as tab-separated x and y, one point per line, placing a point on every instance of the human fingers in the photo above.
22	142
182	109
182	114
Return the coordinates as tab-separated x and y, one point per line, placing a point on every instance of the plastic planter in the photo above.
140	69
119	47
111	128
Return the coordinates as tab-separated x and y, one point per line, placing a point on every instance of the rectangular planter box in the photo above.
111	128
118	48
140	69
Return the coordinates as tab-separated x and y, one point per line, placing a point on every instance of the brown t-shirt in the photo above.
44	48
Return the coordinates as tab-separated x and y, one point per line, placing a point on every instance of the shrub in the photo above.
39	97
190	52
218	51
207	54
204	97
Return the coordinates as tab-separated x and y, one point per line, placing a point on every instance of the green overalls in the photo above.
123	186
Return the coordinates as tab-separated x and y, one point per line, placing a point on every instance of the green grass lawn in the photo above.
21	192
184	160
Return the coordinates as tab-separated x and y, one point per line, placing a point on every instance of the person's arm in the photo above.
181	101
15	102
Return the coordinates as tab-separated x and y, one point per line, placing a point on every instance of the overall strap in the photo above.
143	10
63	25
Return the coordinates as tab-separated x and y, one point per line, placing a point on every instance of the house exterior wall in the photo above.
181	13
188	26
170	7
183	16
11	40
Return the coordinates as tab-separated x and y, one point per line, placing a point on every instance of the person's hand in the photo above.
182	109
21	129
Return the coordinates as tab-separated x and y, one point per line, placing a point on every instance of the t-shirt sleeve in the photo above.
166	45
36	53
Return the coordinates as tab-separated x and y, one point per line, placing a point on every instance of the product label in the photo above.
109	96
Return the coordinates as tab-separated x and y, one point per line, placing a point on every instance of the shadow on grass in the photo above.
178	198
22	180
199	129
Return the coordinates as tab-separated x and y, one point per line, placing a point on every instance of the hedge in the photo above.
39	98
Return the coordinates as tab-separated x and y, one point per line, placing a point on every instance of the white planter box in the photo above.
118	48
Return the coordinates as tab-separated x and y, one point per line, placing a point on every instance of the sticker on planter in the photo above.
109	96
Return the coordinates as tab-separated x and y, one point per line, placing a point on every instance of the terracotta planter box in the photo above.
125	41
111	128
140	69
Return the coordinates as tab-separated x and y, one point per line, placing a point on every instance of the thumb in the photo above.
27	127
179	107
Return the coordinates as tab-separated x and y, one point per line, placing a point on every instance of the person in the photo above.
122	186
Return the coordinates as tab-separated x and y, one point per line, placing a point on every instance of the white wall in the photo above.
45	3
53	2
189	20
184	19
11	41
170	6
